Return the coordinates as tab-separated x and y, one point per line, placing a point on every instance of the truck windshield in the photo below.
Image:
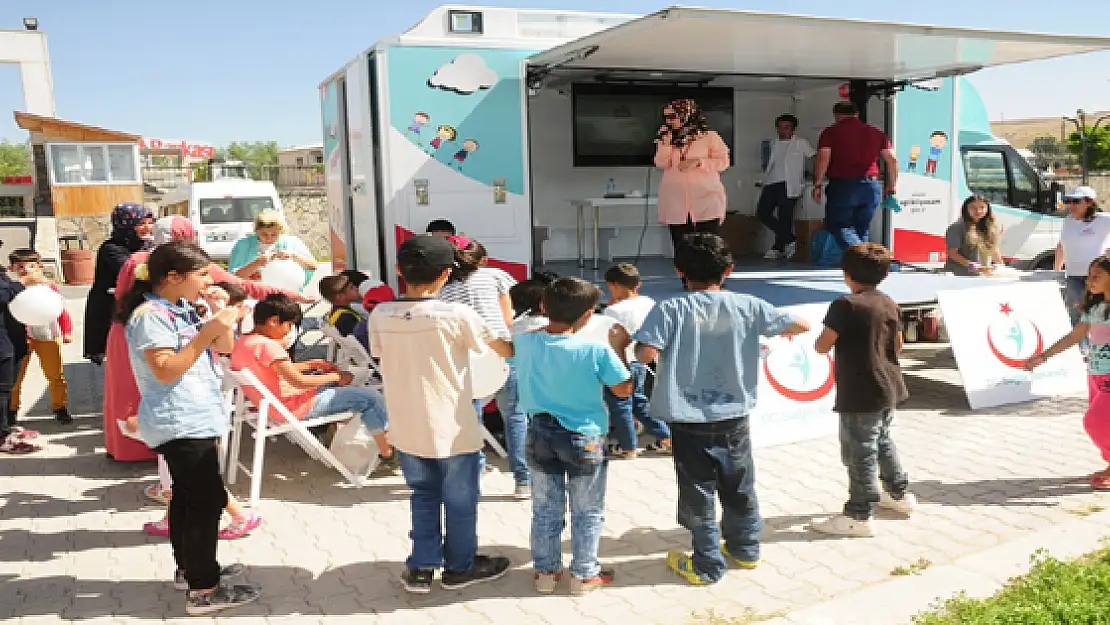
233	209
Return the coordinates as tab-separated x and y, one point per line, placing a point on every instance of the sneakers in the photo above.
841	525
790	250
155	493
579	586
904	506
485	569
522	492
16	445
417	581
227	572
744	564
241	526
662	446
546	583
157	528
683	566
225	596
772	254
619	453
62	416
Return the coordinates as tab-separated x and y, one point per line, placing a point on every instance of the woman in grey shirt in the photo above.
973	241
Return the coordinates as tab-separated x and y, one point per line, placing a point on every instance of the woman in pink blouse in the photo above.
692	157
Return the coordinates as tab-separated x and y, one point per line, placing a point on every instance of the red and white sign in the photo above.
188	150
995	329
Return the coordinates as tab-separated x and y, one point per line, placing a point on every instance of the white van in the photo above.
222	211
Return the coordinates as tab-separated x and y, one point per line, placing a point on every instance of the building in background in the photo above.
301	156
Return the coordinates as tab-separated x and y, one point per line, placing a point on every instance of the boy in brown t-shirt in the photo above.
866	330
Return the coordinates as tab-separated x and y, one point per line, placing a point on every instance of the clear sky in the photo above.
221	71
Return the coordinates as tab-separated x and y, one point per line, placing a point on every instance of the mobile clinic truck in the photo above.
508	122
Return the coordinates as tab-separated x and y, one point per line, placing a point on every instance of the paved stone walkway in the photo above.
71	548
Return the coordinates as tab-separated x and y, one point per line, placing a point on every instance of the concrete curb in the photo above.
979	575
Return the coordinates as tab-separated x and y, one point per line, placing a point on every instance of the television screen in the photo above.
615	125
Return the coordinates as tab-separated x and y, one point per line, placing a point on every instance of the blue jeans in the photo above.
442	488
714	461
622	411
566	463
868	452
849	207
370	404
1074	292
516	428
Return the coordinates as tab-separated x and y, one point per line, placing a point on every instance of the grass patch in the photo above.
914	568
1054	592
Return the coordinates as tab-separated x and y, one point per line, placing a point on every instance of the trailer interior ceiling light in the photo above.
31	23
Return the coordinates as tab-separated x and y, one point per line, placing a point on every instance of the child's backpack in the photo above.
825	251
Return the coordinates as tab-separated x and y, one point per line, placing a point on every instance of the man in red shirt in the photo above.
848	153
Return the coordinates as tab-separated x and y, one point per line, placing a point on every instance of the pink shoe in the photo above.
157	528
241	527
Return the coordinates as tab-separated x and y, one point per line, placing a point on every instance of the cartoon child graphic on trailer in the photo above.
468	146
419	120
443	133
937	141
915	152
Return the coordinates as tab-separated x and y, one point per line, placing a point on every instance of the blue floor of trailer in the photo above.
787	284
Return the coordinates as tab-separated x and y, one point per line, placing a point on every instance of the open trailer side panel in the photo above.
333	109
455	148
926	144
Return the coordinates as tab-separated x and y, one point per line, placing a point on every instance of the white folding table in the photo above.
595	205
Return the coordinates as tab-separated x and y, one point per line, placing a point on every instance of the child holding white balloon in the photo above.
13	347
46	340
252	254
486	290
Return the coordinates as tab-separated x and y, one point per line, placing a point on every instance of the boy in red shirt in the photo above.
308	389
46	341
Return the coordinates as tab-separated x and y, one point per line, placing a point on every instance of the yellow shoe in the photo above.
681	564
744	564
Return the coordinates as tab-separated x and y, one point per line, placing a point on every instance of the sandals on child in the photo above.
155	493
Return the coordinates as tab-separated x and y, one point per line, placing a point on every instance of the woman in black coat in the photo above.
132	225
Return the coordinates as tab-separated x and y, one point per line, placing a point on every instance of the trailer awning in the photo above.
722	41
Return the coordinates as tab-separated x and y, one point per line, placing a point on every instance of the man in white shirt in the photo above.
783	184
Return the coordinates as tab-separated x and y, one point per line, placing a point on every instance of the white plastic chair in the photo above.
266	421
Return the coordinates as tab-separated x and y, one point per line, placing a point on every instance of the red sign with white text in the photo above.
188	150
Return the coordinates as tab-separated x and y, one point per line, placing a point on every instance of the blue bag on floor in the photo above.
824	250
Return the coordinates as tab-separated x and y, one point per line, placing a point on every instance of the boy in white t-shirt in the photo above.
629	309
425	344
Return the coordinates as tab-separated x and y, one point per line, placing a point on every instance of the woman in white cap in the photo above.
1084	237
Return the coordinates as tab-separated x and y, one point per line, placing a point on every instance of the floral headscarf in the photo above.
173	228
693	121
124	219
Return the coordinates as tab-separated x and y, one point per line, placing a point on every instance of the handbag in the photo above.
825	250
354	448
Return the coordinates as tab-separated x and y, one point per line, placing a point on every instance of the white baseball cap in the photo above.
1082	193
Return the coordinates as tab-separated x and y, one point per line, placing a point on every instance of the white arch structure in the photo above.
27	49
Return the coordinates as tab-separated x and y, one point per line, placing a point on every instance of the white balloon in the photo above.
488	373
284	274
36	305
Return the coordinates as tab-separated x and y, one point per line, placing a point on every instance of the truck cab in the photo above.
1026	206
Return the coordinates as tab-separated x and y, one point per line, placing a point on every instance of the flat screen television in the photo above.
615	125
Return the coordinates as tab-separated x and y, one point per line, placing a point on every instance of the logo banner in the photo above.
796	386
995	329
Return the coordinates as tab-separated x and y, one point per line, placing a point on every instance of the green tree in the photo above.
261	153
1098	147
15	159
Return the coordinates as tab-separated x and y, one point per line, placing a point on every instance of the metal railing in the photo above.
283	176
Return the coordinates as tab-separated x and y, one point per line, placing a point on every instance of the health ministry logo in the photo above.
797	372
1013	338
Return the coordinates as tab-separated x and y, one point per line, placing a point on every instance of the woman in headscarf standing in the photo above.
692	157
131	227
121	394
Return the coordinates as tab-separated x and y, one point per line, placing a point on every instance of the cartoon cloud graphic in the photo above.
466	74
